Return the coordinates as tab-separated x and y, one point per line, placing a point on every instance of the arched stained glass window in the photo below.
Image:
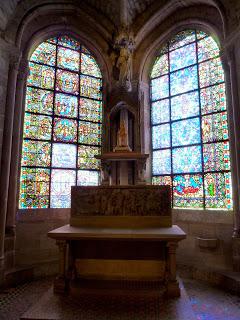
62	124
190	139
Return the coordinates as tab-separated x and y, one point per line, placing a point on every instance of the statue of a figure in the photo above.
124	64
121	56
122	137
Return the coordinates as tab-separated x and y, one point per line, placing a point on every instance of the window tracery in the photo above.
62	123
190	138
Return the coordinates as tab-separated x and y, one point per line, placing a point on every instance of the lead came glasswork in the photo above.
67	82
215	127
185	105
39	101
161	163
65	130
90	110
62	123
199	171
183	57
45	53
86	159
218	190
183	80
61	182
68	59
41	76
160	66
207	49
210	72
216	156
160	88
37	127
90	87
186	132
34	188
89	66
64	155
160	111
36	153
89	133
213	99
88	178
161	136
187	159
188	191
66	105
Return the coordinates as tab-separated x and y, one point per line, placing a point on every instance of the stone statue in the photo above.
122	136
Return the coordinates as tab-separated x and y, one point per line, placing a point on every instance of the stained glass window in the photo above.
190	138
62	123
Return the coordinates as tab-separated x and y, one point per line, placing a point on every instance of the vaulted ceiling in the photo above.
136	10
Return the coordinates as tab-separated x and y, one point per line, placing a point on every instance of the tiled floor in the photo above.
208	303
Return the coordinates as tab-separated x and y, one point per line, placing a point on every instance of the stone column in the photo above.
172	285
60	283
229	65
6	150
16	140
145	137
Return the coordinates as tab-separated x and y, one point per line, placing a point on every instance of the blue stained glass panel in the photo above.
161	163
184	80
66	105
161	136
187	159
183	57
185	105
188	191
186	132
88	178
160	111
64	155
160	88
61	182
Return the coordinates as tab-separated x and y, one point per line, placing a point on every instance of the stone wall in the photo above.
33	247
209	238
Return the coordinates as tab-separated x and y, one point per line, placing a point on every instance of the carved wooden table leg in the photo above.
60	283
173	289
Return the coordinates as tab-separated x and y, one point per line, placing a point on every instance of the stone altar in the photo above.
118	233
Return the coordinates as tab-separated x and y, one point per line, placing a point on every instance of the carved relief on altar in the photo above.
117	201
